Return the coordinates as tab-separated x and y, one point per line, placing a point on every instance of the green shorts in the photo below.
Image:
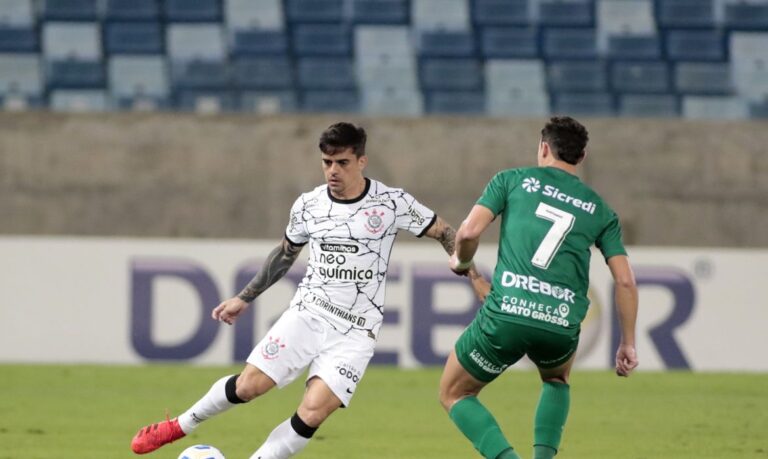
488	346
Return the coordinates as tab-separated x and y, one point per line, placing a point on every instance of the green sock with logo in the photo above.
478	425
551	414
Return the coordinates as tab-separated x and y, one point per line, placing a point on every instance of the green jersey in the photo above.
549	222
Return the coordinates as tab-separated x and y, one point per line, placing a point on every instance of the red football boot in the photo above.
153	436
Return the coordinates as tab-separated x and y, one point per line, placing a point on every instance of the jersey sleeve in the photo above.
296	231
411	215
610	240
494	196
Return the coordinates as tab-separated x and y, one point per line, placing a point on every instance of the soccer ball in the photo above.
201	452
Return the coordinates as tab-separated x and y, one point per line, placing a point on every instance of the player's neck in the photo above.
570	168
353	191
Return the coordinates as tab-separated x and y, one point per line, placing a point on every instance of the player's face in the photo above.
344	172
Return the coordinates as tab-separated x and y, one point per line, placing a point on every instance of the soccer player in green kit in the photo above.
538	296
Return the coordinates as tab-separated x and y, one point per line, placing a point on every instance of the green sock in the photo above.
551	415
479	426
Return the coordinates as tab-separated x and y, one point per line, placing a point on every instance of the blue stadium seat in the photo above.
572	76
75	74
570	13
695	45
746	16
446	44
330	101
380	11
507	75
133	38
206	101
258	42
69	10
451	74
685	13
570	44
21	79
640	77
703	78
322	40
715	107
192	10
587	104
391	101
18	39
758	110
131	10
510	42
268	102
446	15
518	103
200	75
501	12
455	102
649	106
628	47
254	14
138	82
62	40
315	10
263	73
195	41
17	13
68	100
326	73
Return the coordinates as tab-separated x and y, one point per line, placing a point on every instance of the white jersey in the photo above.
350	242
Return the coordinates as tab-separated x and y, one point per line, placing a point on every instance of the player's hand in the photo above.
626	360
457	267
228	310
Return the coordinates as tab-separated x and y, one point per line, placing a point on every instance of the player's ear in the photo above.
363	161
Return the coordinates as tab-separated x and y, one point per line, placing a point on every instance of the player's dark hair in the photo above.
340	136
566	137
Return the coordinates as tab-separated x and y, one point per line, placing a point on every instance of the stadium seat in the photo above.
391	101
138	81
451	74
695	45
566	13
192	10
79	101
67	40
746	16
649	106
685	13
69	10
446	44
21	81
200	74
195	41
508	76
322	40
375	42
207	101
326	73
254	14
17	13
517	102
620	18
315	10
587	104
569	44
258	42
330	101
455	102
133	38
501	12
263	73
630	47
18	39
758	110
498	42
268	102
703	78
396	72
442	15
749	64
75	74
569	76
640	77
715	107
380	11
131	10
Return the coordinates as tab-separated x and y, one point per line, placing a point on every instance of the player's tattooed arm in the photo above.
278	262
444	234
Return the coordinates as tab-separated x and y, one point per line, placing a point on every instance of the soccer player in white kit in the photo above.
350	224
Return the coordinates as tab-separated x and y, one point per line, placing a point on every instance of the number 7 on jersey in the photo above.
562	224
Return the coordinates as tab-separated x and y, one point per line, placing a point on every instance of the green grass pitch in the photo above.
91	412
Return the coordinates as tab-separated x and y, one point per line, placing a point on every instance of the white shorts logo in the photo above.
531	185
271	349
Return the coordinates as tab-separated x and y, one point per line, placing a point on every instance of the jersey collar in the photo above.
353	200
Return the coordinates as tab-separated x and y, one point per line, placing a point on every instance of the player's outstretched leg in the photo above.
552	410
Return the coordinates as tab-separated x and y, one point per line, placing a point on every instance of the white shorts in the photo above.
299	339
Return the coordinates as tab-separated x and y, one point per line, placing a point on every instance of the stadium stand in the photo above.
393	57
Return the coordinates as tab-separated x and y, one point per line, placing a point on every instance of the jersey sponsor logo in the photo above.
534	285
375	222
416	216
334	269
271	349
338	248
533	185
349	372
338	311
485	364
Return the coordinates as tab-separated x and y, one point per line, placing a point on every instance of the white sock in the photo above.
212	403
282	443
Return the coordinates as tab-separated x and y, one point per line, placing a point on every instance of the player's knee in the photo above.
251	385
562	379
313	416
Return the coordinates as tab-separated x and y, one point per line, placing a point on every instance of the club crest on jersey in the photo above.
271	349
531	185
375	223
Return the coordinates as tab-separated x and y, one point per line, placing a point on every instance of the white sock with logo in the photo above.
287	439
216	401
